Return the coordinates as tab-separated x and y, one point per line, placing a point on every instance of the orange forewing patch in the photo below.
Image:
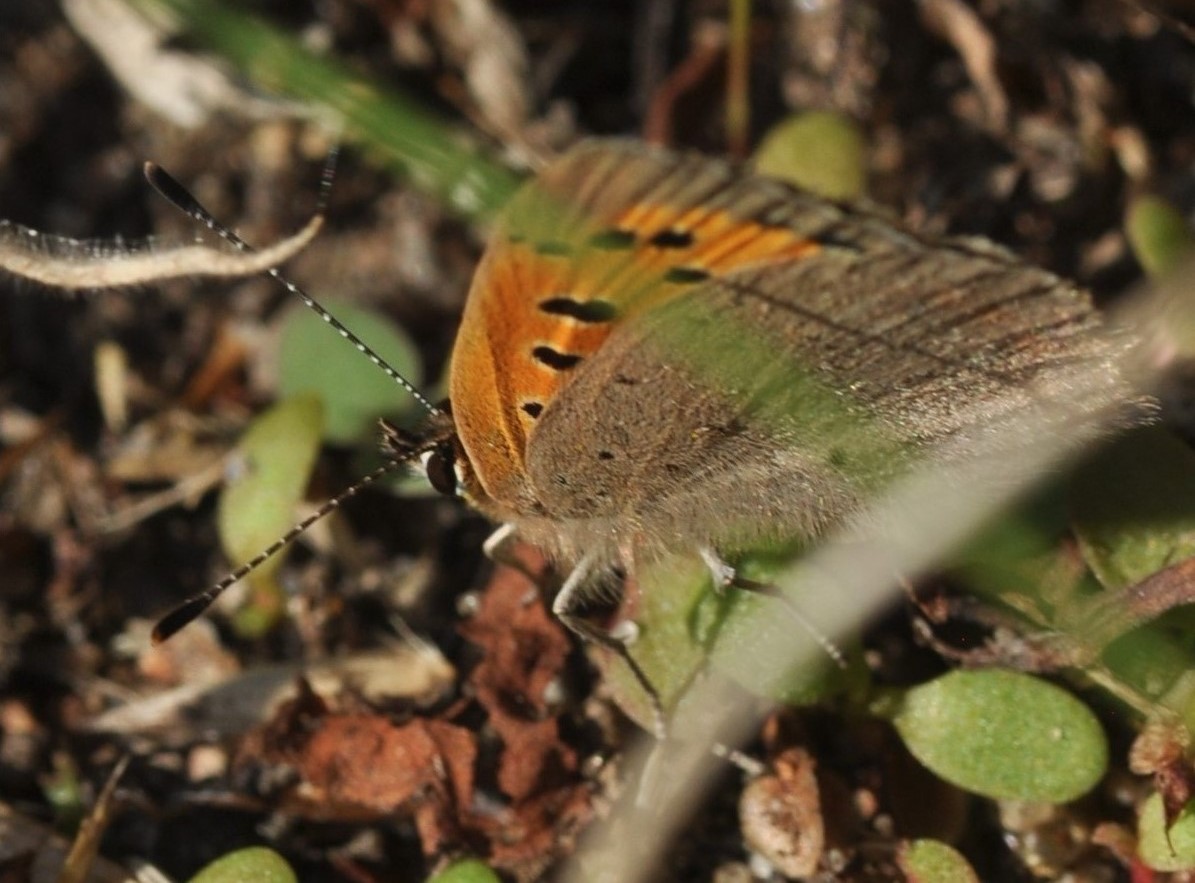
494	372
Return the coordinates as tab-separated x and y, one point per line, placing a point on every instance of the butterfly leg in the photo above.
723	573
725	576
564	607
499	548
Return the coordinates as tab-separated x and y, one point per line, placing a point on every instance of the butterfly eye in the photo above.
440	471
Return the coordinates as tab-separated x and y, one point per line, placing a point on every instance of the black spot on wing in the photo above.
532	408
672	238
554	358
686	275
582	311
614	239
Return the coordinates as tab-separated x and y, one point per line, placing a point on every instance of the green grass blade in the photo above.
436	156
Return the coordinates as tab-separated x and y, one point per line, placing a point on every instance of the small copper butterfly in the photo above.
661	353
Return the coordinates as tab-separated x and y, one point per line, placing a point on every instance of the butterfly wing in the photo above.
769	358
654	335
600	238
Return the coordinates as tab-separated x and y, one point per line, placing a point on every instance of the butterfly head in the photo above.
443	458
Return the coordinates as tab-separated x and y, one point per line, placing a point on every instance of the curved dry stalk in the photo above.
75	265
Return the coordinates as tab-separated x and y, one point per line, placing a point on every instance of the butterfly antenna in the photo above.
327	174
181	198
191	608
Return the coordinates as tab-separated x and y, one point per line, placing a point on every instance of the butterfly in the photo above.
663	353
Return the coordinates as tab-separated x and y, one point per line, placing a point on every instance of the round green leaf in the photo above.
467	871
1158	233
256	864
313	358
820	151
1004	735
932	861
1162	849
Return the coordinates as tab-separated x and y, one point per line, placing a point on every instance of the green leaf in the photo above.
1133	507
1023	553
820	151
685	626
734	622
63	790
1162	849
354	391
1154	659
255	864
667	648
468	871
1004	735
932	861
1158	234
277	454
276	457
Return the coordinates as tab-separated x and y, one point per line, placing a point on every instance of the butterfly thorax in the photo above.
450	471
